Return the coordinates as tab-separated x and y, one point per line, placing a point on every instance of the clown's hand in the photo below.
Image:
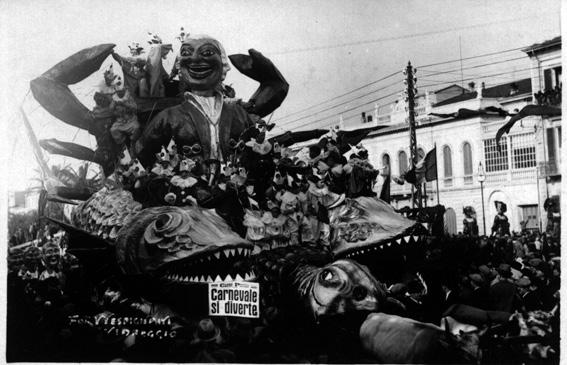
273	87
256	66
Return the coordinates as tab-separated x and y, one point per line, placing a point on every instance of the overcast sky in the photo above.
323	48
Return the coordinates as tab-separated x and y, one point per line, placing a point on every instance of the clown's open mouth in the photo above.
222	264
200	71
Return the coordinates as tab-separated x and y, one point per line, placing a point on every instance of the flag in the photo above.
541	110
424	170
385	191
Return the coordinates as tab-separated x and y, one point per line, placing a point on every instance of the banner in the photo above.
234	299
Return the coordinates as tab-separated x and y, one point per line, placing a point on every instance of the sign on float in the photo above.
234	299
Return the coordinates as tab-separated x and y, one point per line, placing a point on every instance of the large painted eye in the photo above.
207	53
326	276
186	51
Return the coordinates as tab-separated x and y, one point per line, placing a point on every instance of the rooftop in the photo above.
519	87
538	47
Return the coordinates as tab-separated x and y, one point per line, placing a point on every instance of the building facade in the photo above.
523	173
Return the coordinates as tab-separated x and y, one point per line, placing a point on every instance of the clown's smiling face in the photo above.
201	64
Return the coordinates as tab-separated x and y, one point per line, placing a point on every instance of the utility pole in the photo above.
411	92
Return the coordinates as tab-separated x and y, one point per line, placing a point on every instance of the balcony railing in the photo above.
497	177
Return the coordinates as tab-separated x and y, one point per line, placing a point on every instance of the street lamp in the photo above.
481	178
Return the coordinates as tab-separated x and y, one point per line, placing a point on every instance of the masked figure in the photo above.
470	226
205	117
501	225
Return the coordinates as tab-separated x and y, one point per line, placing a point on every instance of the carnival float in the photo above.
195	193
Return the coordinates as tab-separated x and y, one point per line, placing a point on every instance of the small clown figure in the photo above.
126	126
163	166
173	153
51	258
184	181
138	172
108	86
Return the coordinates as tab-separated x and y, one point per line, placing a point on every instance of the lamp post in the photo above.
481	177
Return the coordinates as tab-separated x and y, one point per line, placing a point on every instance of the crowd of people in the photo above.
500	275
496	276
33	232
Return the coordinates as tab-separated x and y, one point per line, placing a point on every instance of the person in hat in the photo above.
501	226
479	296
469	222
503	294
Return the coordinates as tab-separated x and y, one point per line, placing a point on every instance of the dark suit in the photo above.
503	296
187	125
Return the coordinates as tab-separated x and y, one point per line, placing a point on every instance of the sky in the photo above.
324	49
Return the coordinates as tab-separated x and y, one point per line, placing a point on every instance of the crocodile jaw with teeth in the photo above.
185	245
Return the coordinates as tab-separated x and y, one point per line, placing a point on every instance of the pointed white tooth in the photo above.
218	278
247	276
399	241
415	238
228	278
217	255
406	238
209	279
238	278
389	244
232	252
239	250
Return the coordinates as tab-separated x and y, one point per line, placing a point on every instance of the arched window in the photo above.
467	163
386	164
403	162
447	166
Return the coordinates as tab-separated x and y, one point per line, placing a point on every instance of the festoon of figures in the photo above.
410	92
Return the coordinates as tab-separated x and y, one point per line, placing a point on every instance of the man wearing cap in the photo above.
503	293
205	117
479	296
